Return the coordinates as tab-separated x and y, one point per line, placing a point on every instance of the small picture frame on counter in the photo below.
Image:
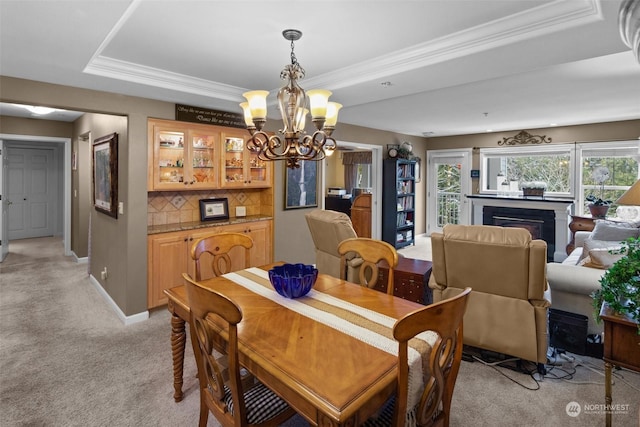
212	209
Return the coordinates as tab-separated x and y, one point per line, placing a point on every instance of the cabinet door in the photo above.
260	232
167	254
169	157
241	167
204	164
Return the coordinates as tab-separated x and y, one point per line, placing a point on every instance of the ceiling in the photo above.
430	67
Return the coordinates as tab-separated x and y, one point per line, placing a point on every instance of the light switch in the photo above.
121	208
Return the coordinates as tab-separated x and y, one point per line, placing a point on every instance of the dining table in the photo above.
330	354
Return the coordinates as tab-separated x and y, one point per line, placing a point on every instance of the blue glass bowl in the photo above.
293	280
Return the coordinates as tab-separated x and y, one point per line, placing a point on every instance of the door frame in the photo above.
376	179
464	155
66	209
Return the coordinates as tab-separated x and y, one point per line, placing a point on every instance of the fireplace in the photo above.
526	213
540	223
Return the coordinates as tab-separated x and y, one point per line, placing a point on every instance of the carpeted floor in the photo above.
67	360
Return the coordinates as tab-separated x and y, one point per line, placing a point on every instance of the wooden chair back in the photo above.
214	394
371	252
444	318
218	246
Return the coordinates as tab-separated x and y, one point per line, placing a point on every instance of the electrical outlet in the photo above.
104	274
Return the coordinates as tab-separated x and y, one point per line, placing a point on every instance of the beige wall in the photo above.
598	132
121	245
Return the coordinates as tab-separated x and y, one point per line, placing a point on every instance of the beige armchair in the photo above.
329	228
507	309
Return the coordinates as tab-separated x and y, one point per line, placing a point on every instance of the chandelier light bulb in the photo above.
332	114
318	100
257	100
248	119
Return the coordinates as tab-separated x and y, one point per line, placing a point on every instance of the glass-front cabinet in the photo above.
241	167
183	157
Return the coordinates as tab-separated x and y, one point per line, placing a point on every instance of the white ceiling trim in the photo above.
541	20
544	19
156	77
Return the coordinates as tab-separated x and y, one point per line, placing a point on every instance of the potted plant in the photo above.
533	188
599	206
620	284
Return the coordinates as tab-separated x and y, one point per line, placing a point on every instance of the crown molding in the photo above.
156	77
544	19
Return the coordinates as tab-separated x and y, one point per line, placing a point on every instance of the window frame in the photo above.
532	150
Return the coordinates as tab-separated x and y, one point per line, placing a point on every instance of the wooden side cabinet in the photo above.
621	348
410	280
168	255
579	223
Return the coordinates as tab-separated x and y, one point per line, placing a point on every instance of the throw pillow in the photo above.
591	244
601	258
614	231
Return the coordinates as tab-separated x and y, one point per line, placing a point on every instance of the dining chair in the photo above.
211	254
371	252
434	405
233	403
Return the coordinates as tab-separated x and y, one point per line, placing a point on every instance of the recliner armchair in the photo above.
329	228
507	309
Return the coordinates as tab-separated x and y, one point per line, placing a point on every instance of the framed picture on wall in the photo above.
211	209
105	174
301	185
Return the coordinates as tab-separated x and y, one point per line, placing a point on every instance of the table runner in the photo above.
366	325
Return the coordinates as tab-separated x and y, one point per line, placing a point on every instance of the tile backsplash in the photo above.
171	207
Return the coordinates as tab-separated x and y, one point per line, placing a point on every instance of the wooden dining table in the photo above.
328	376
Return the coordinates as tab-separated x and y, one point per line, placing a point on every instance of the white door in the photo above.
30	192
448	180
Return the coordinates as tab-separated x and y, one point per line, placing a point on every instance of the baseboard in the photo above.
79	260
127	320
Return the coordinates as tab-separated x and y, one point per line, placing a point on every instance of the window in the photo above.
363	175
503	169
567	169
619	160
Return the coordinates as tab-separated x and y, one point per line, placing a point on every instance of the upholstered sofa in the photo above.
505	267
573	280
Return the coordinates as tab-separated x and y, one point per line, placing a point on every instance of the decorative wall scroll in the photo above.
524	137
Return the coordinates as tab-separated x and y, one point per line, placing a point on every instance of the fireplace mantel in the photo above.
561	207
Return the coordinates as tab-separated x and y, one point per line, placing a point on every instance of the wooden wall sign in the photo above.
187	113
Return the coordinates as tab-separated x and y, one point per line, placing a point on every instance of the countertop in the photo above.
183	226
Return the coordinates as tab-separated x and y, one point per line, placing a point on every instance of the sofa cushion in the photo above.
614	231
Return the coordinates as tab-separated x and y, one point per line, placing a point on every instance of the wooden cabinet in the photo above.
410	280
241	167
183	156
361	215
191	156
579	223
169	257
398	202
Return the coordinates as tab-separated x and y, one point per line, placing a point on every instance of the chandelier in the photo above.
293	144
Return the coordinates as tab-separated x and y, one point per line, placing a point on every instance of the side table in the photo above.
621	348
579	223
410	279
